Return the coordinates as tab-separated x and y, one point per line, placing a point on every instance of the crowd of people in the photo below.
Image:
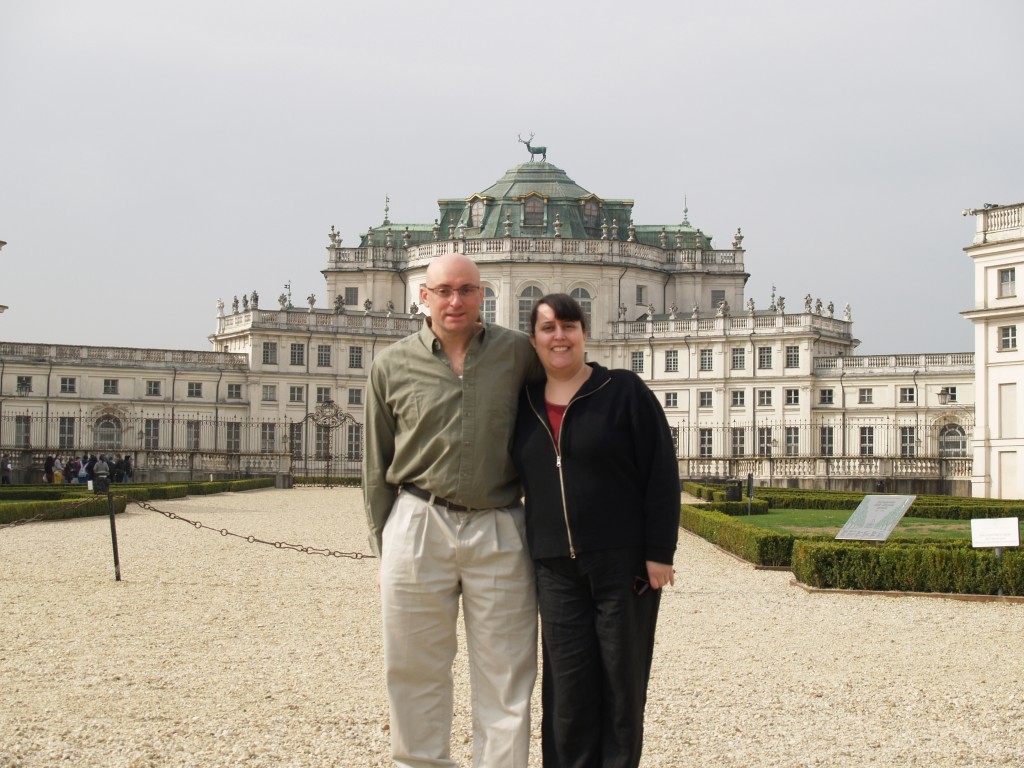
58	469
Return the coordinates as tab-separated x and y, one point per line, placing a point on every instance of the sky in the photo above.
158	156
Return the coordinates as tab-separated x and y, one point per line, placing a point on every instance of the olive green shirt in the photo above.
448	435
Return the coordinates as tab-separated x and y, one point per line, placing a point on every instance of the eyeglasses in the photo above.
445	293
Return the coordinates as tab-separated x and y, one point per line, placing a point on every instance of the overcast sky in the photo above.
155	157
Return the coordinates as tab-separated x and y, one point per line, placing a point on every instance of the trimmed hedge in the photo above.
345	482
736	508
951	568
59	509
749	542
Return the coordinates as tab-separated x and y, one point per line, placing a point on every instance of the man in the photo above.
443	505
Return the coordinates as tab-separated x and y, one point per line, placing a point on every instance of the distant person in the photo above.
58	471
101	470
48	469
6	469
598	464
129	470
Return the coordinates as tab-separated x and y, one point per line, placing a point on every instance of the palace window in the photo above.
298	354
867	441
792	397
705	443
323	394
739	358
1008	338
792	357
951	394
234	391
323	356
355	357
355	396
826	397
527	299
351	297
354	442
195	389
533	211
792	441
737	398
489	309
908	442
591	214
764	441
582	296
268	437
67	385
671	399
476	213
151	434
739	441
865	395
704	398
269	393
636	362
908	395
66	432
952	441
706	359
233	441
110	386
764	397
23	385
295	394
827	441
717	297
152	389
641	295
764	358
192	430
270	353
672	361
1007	282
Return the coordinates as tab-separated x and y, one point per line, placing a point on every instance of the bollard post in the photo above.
102	484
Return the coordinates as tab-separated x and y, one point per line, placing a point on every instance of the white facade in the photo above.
998	317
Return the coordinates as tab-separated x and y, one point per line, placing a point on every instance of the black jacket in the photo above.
618	484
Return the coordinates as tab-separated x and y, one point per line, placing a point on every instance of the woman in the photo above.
598	465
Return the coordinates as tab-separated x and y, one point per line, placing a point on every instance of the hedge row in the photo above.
896	566
749	542
59	509
345	482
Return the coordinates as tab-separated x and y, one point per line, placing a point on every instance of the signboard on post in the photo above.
875	517
996	532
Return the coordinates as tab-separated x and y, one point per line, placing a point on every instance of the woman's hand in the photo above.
660	574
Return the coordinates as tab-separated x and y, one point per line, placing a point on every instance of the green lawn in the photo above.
827	522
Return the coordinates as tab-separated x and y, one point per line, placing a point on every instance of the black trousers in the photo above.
597	639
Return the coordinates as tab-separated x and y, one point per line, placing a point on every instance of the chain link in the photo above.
252	539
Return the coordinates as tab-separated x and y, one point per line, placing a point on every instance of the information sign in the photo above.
997	532
875	517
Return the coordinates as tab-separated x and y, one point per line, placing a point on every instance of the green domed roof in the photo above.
542	178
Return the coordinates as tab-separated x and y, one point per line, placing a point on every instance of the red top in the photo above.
555	414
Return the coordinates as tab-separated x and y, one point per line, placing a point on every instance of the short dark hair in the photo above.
564	306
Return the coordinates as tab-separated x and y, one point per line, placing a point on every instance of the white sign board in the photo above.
997	532
875	517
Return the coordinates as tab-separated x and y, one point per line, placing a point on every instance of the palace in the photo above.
773	391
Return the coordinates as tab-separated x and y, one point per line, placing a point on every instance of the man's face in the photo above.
457	313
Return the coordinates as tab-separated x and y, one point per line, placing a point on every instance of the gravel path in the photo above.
216	652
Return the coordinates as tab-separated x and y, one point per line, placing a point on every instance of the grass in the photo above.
827	522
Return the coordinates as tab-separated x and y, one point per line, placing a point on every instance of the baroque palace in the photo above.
776	391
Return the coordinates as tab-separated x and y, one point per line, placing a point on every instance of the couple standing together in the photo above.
461	418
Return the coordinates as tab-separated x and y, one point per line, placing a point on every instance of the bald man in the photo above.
443	505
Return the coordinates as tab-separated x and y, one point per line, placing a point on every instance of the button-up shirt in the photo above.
447	434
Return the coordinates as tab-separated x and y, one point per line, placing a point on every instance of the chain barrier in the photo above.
252	539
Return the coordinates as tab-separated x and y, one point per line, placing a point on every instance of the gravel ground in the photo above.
213	651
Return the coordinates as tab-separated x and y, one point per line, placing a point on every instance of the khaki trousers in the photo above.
430	557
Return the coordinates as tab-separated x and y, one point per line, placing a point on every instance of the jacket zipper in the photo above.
556	444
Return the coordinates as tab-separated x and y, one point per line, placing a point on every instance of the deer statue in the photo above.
542	151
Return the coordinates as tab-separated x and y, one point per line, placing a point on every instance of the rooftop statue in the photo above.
542	151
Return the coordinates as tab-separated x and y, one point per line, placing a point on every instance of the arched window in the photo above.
591	214
527	299
582	296
107	433
952	442
533	211
476	213
489	310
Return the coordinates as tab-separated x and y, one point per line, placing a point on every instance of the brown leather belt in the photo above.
428	497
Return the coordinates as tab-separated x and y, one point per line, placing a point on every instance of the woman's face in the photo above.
560	344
